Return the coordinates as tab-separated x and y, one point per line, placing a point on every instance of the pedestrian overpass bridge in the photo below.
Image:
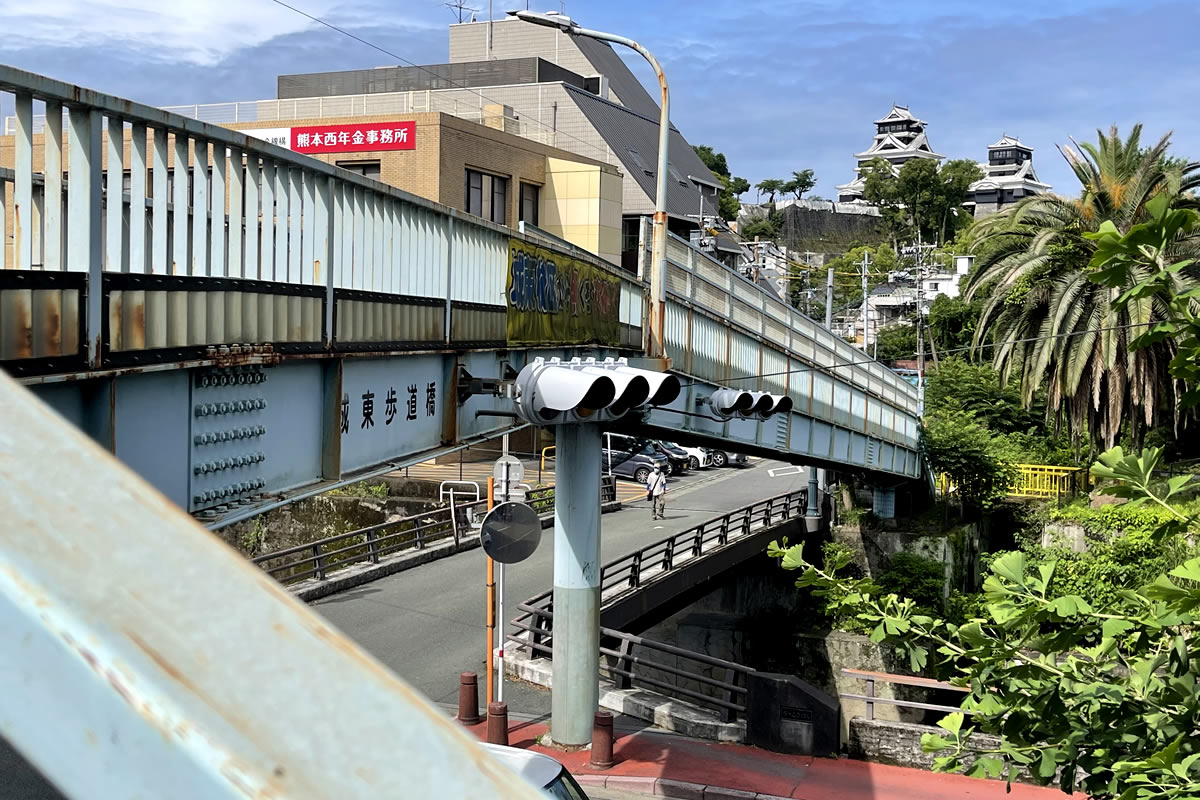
274	325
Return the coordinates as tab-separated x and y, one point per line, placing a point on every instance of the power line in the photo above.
464	87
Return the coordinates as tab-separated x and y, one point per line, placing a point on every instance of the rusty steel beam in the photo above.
145	658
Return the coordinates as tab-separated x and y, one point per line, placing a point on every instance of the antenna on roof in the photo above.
460	8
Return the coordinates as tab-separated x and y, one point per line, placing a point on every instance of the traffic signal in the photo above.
553	392
730	403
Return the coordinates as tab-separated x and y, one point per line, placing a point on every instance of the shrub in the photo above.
920	579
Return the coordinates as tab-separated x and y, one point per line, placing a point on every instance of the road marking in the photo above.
780	472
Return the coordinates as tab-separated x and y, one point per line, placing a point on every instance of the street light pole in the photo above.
658	247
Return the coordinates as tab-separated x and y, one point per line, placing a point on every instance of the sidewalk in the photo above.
667	765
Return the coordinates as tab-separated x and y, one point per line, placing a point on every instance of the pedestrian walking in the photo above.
656	493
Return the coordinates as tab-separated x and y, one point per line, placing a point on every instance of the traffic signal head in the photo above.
728	403
551	392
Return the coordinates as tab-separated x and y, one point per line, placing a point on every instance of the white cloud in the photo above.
191	31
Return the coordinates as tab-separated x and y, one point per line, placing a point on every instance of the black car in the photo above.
677	456
676	460
634	466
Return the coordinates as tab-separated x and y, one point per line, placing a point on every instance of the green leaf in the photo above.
951	722
1114	627
1011	565
932	743
1047	765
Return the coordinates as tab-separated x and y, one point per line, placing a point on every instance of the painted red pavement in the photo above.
646	754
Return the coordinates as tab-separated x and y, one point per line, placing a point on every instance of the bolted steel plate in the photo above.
508	469
510	532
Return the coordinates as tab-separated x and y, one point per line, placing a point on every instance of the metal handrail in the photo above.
535	622
621	660
733	525
904	680
365	544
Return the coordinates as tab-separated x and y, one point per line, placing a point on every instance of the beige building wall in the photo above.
582	204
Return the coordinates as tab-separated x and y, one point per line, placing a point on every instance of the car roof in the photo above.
536	768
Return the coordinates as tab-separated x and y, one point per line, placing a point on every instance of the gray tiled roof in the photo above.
621	81
625	130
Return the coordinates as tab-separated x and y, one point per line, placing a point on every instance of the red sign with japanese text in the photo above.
355	138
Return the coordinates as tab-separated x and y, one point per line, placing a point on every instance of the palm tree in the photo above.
1051	325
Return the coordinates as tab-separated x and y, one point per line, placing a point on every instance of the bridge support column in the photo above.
575	690
812	513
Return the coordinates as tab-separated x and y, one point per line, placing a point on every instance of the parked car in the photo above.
540	770
633	466
723	458
676	460
698	457
677	456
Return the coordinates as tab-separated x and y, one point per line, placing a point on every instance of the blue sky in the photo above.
776	86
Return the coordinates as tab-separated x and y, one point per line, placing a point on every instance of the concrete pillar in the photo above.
575	693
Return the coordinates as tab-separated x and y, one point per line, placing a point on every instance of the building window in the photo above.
530	202
368	169
487	196
933	287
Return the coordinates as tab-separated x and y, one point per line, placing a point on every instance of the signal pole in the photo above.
576	676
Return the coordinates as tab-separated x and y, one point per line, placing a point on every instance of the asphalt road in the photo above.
428	624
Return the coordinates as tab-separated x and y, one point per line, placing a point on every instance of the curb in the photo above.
663	787
360	574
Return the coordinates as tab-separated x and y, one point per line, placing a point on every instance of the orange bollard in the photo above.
468	698
497	719
602	741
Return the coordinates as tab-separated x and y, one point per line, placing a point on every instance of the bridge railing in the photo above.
709	681
870	699
633	570
318	558
135	236
624	651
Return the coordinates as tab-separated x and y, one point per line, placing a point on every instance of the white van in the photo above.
540	770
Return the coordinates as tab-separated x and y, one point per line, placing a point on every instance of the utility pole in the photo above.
865	307
829	300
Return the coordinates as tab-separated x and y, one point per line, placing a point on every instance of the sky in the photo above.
777	86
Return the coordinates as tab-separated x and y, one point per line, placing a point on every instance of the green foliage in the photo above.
979	463
767	227
362	489
1097	695
799	183
1045	318
952	322
770	187
732	187
958	383
847	272
920	199
921	579
1140	262
895	342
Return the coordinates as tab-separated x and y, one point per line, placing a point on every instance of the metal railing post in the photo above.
625	663
453	518
635	570
372	550
318	562
870	693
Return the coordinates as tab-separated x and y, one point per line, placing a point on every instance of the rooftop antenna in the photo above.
460	8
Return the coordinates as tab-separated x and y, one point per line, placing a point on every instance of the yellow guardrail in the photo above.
1035	481
1043	480
545	451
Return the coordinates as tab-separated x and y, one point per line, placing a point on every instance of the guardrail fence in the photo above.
709	681
319	558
